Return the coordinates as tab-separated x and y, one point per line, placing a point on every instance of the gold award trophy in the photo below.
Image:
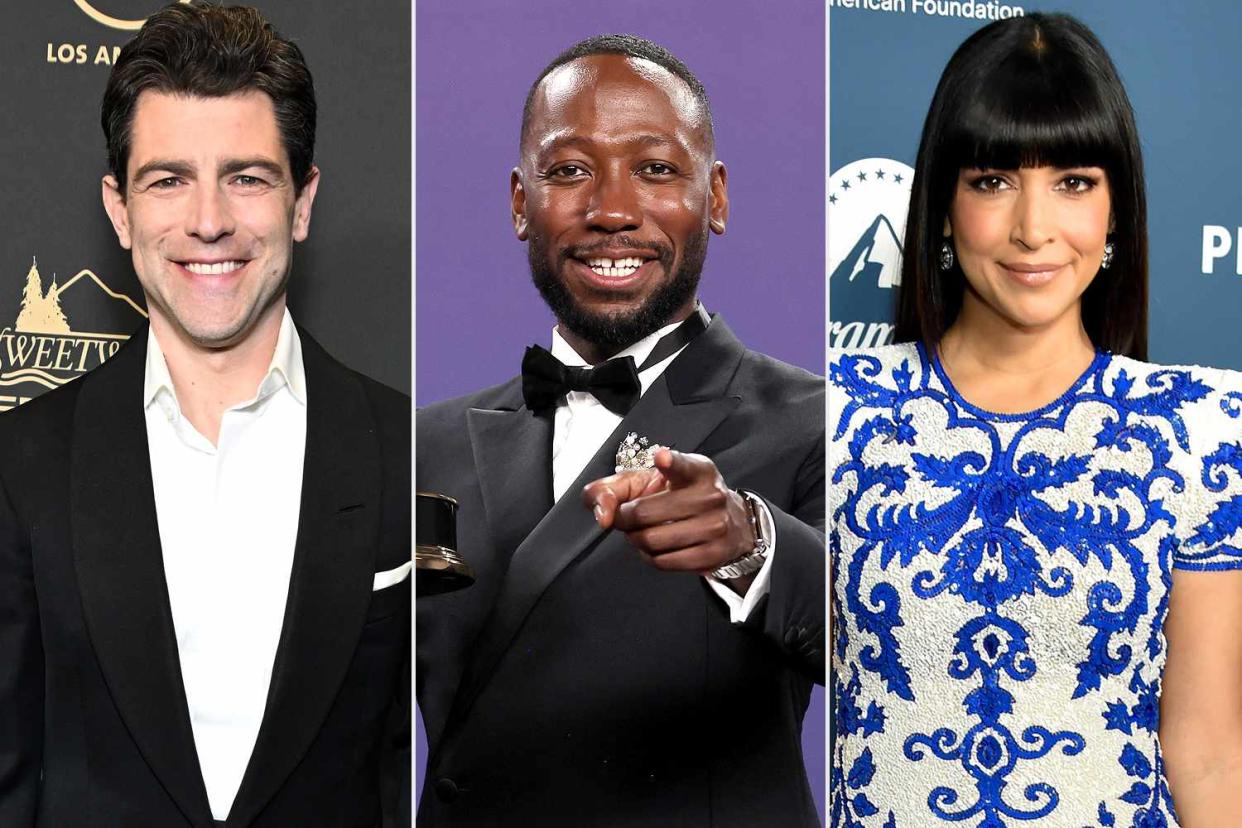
437	565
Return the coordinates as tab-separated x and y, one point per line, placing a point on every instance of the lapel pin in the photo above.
636	453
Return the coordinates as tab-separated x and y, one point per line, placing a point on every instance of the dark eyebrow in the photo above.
269	166
187	170
181	168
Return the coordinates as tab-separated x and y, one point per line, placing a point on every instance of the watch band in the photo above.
753	560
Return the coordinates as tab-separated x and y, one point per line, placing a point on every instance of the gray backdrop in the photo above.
351	280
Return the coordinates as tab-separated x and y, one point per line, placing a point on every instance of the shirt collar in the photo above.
285	370
640	350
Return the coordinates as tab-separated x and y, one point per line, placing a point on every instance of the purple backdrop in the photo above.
763	66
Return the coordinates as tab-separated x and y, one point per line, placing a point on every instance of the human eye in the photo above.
658	169
168	182
989	182
1078	183
565	172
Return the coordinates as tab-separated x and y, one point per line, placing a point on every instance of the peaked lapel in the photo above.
330	585
680	409
512	449
120	570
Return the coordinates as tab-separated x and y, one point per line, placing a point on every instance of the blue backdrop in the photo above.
1180	63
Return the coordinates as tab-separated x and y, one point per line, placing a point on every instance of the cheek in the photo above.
978	230
1086	228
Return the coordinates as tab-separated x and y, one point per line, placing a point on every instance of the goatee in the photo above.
613	332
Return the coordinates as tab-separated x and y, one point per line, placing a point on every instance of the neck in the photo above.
982	339
209	381
595	353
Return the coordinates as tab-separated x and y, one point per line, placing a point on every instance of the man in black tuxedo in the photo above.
640	643
204	544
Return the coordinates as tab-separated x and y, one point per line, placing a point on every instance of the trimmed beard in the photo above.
616	331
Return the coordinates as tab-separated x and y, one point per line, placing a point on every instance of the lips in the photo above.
1032	274
615	269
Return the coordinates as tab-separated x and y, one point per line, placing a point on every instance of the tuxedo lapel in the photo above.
330	586
120	570
679	410
512	457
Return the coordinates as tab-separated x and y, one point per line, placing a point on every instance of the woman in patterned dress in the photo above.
1035	534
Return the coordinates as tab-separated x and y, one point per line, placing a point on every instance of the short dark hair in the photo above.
627	45
211	51
1024	92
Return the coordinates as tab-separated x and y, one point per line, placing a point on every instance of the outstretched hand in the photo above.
680	515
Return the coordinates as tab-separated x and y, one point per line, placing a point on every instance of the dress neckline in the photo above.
1098	362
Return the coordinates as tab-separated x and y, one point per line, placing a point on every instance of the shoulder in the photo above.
39	427
779	381
886	366
506	396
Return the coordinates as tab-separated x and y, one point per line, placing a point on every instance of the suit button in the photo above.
447	789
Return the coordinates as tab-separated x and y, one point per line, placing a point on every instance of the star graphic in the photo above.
845	185
862	176
832	199
879	173
897	178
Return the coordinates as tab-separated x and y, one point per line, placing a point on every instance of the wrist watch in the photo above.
753	560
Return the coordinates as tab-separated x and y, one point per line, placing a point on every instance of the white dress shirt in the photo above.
228	521
582	425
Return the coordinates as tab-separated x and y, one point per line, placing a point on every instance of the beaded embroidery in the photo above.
1000	587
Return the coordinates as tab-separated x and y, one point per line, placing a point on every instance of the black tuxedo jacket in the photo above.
573	684
94	726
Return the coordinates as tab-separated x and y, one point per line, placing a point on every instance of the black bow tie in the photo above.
545	380
615	383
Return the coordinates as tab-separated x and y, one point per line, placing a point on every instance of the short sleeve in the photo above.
1209	514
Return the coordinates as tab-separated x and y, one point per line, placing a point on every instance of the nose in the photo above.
614	206
1033	225
210	216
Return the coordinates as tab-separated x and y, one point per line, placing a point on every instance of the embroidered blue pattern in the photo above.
1000	586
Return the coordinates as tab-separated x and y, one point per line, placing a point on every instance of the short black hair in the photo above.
1025	92
627	45
211	51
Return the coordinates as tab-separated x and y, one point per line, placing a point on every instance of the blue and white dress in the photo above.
1000	586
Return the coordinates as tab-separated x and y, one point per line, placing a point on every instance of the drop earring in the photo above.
946	256
1107	261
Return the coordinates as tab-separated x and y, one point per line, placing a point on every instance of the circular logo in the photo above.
108	20
867	204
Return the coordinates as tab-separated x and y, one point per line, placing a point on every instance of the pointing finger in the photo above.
683	469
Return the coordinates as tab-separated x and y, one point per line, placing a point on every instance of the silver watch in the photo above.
753	560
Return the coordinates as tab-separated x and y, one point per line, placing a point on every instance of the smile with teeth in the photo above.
615	268
213	268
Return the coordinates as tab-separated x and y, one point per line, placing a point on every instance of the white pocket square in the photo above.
392	576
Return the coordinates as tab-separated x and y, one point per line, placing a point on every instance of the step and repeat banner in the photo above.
477	310
1180	65
68	295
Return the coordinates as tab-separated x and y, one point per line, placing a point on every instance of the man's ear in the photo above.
718	209
114	206
302	205
517	203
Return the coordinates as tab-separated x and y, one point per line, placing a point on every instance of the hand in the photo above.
680	515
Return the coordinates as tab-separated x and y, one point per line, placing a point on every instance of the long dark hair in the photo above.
1026	92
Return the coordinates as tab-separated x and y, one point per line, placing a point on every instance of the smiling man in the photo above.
204	591
640	643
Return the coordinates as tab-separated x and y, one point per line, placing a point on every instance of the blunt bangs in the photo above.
1034	115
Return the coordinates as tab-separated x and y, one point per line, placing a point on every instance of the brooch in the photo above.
636	453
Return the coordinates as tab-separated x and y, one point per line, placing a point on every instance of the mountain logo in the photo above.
42	351
125	24
867	204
